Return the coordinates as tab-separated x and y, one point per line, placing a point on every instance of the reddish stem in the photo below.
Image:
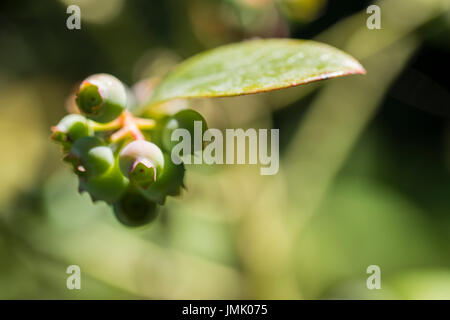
129	127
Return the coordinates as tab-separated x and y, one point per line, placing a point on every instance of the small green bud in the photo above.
71	128
135	210
184	119
107	187
142	162
99	159
90	157
102	97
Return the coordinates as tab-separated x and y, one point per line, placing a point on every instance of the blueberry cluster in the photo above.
119	158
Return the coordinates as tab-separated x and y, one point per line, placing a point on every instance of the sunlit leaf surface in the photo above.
255	66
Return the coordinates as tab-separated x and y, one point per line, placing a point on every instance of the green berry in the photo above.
71	128
134	210
142	162
107	187
99	160
90	157
102	97
184	119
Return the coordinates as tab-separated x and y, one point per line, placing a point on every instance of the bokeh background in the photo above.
365	160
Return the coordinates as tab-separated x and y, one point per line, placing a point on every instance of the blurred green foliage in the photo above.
364	178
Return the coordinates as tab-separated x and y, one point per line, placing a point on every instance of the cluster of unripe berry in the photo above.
119	158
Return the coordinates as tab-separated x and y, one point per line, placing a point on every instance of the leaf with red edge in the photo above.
254	66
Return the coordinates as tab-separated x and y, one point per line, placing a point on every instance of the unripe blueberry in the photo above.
169	184
184	119
107	187
71	128
134	210
102	97
142	162
99	160
90	157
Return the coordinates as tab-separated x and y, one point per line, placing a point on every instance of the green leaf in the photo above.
254	66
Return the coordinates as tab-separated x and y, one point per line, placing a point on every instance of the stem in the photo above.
126	124
144	124
129	127
113	125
